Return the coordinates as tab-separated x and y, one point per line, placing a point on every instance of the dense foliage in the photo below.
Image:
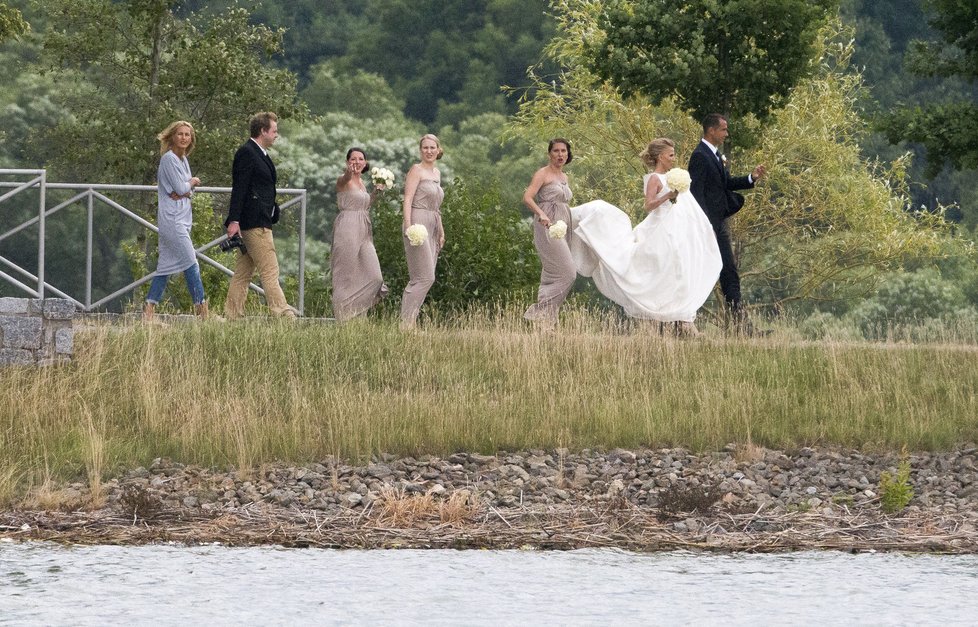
12	23
137	66
948	129
488	256
736	57
885	33
445	59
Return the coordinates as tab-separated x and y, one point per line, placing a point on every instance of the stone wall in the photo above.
35	331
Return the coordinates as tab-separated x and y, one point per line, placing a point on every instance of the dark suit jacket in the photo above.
252	189
713	187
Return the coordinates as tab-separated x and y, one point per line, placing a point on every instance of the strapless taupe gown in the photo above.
357	281
559	272
421	260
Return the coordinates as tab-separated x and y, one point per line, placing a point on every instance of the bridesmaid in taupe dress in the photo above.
357	282
547	196
422	205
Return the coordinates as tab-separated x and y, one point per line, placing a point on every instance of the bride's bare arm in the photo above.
653	196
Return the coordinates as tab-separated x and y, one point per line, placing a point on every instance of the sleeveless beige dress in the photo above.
559	271
357	281
421	260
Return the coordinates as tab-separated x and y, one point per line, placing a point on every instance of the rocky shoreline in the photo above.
741	499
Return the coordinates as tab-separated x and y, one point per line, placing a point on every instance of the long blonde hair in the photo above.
166	137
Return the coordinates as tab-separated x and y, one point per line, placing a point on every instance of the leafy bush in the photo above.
823	325
871	321
896	491
909	298
488	255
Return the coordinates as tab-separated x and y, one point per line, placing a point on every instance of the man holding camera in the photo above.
251	215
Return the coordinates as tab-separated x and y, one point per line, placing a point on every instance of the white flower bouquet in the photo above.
557	230
417	234
678	180
382	176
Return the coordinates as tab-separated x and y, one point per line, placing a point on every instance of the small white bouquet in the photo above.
417	234
382	176
557	230
678	180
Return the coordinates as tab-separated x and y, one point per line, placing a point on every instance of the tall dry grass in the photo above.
242	394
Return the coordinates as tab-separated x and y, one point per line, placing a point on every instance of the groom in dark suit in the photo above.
716	192
251	214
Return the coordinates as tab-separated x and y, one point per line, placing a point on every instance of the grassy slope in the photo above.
241	394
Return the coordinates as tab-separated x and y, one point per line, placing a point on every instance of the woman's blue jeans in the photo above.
194	284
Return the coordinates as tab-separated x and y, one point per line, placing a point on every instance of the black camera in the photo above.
231	243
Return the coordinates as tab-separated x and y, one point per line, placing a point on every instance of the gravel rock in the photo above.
825	482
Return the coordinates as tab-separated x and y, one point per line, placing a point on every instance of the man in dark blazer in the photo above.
251	215
716	192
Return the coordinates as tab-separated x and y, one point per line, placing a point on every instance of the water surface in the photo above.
44	583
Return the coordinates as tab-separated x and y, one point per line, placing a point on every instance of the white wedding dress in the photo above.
664	269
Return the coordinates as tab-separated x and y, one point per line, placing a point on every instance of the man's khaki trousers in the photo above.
260	256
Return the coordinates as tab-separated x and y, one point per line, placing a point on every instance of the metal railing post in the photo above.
302	254
41	236
88	251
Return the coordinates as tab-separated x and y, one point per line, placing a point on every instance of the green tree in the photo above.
948	130
736	57
332	88
883	34
314	31
451	54
144	66
477	150
12	24
28	104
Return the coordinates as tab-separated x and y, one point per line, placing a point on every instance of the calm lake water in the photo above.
174	585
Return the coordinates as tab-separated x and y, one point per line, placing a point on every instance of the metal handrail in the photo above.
92	192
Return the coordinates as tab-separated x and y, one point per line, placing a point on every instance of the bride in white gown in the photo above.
665	268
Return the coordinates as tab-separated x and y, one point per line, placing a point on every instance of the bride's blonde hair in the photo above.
650	156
